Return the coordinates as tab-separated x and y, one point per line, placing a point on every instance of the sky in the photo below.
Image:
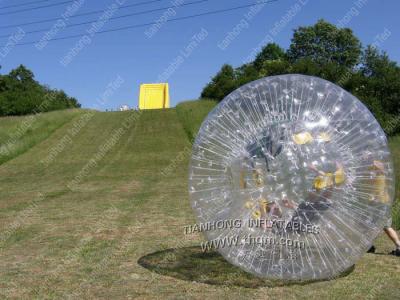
104	70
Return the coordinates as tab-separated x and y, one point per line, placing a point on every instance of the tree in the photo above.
22	74
274	67
21	94
377	64
245	74
221	84
2	83
331	53
382	79
270	52
306	66
325	43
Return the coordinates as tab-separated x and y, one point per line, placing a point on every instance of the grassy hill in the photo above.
18	134
93	205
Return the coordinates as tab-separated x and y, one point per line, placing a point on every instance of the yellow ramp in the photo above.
154	96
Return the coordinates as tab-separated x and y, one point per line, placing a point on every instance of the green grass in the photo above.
118	232
192	113
18	134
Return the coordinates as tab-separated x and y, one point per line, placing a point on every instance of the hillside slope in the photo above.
103	191
18	134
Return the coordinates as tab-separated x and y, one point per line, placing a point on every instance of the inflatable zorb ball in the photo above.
291	178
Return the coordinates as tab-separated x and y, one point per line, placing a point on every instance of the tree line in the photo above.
329	52
21	94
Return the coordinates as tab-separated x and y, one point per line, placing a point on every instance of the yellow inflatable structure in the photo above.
154	96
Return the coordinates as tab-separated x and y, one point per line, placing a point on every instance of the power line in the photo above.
113	18
58	4
13	12
23	4
155	23
79	15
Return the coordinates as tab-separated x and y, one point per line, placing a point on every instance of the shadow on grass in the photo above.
192	264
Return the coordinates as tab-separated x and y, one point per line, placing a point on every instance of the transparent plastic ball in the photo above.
291	178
